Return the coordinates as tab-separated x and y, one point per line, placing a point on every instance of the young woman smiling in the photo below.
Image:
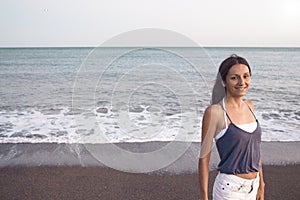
231	121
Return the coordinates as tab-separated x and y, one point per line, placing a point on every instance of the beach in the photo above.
57	171
75	182
73	128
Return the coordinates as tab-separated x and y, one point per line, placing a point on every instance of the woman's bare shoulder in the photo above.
250	103
212	120
213	110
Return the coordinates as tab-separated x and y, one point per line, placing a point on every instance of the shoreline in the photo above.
70	171
89	155
76	182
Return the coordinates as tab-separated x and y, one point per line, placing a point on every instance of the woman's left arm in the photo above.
261	189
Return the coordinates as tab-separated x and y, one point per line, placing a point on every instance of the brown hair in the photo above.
219	91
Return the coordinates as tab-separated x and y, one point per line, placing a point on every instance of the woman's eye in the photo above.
246	76
233	78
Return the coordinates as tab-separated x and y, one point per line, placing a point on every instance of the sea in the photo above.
133	94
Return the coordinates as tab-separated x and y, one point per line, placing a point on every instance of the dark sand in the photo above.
65	182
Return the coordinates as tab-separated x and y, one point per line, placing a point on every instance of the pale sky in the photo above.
92	22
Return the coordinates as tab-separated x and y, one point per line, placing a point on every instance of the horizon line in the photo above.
146	46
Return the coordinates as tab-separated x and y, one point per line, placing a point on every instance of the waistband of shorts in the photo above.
238	179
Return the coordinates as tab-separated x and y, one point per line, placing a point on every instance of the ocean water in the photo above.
105	95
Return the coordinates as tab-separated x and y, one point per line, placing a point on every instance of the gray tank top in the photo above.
239	150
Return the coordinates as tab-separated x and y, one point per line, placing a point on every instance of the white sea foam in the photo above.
114	127
36	94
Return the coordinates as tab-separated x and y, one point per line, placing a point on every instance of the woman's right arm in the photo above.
209	127
203	177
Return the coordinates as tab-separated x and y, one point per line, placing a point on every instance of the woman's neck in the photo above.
233	102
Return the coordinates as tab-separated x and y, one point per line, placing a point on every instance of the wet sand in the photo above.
71	171
75	182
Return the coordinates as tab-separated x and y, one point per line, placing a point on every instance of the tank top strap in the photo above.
251	110
225	113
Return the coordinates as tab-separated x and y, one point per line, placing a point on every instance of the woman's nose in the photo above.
241	81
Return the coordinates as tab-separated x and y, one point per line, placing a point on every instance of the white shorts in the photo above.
231	187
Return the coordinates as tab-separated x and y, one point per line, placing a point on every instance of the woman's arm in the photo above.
261	189
209	127
203	177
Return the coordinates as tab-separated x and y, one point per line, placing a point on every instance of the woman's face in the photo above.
238	80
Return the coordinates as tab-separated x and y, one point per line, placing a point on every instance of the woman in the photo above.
231	122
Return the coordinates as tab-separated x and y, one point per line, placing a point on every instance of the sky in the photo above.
52	23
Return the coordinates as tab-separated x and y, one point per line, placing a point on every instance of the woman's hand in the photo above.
261	192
